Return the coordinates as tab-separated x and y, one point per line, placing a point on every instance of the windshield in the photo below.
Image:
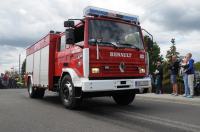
123	35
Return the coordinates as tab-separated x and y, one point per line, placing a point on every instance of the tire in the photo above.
124	98
40	92
67	93
31	90
35	92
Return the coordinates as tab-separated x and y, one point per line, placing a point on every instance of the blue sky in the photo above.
23	22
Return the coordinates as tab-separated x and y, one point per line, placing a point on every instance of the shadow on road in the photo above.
138	115
52	99
104	109
96	104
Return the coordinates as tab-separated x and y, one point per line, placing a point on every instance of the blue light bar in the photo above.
94	11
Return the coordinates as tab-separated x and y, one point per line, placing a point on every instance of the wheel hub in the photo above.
67	91
30	88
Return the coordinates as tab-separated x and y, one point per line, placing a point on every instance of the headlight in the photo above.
141	70
95	70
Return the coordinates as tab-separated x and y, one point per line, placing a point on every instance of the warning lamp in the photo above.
95	11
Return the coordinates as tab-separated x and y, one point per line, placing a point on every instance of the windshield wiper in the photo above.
110	43
95	41
130	45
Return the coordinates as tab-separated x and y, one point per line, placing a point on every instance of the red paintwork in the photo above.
105	59
113	62
52	48
49	39
38	45
72	56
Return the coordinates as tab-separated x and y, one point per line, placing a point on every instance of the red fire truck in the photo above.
103	54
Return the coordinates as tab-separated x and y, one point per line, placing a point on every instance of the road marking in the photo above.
169	101
185	126
161	121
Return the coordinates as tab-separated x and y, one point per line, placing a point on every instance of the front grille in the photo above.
114	69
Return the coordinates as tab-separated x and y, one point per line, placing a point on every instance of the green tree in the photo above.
154	55
197	66
172	51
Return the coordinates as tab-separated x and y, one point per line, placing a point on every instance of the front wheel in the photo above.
124	98
67	93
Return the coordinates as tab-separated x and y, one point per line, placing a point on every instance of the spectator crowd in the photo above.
8	81
177	67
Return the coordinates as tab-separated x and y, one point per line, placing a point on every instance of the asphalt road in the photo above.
19	113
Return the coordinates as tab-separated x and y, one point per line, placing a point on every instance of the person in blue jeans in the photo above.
184	66
190	73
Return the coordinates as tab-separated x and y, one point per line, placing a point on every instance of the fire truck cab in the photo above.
103	54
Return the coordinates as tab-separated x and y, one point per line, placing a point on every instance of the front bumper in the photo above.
115	84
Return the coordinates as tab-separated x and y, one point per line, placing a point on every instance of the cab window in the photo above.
79	34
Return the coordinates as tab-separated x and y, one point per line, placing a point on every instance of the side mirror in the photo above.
148	40
68	23
149	43
69	36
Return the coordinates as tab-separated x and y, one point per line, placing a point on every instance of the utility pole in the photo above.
19	66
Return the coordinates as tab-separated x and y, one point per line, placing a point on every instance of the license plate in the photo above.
141	83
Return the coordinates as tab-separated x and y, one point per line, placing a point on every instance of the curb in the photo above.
169	98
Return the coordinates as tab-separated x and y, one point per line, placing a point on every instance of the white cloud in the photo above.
22	11
24	22
9	57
